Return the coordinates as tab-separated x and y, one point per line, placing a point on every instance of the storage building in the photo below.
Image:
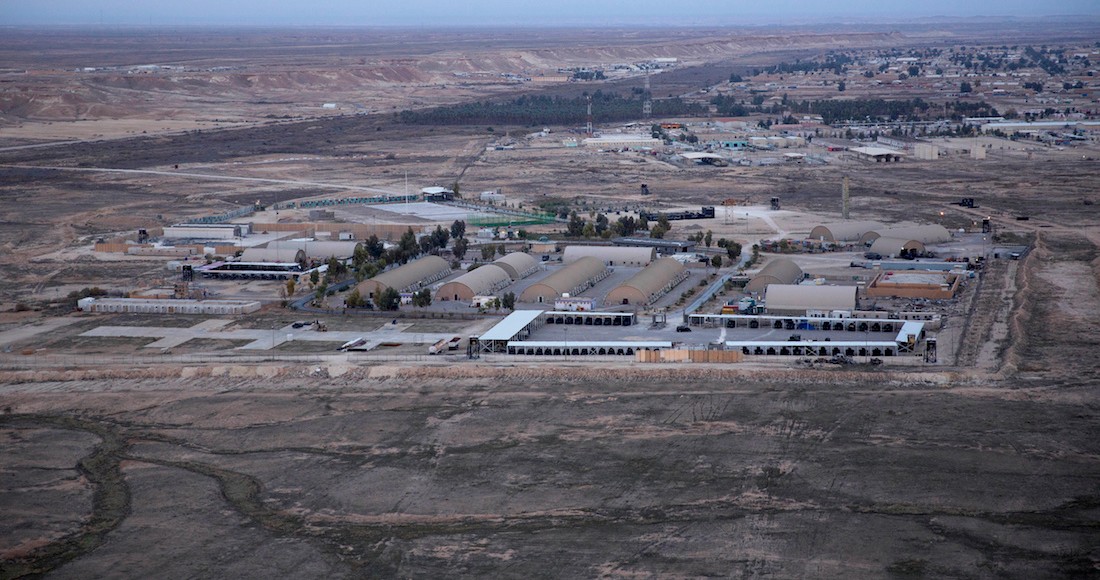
796	299
925	234
206	231
481	281
273	256
318	250
519	265
167	306
649	285
846	231
573	278
893	247
407	278
611	255
779	271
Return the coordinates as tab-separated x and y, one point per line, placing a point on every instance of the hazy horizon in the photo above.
523	13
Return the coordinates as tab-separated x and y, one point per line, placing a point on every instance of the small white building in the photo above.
207	231
569	303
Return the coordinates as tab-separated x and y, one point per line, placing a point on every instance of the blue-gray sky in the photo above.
512	12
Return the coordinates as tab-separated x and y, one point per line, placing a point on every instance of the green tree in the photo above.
375	247
716	261
601	223
841	86
662	220
458	229
422	298
733	250
459	248
389	299
501	249
964	87
657	232
487	251
589	230
354	299
509	301
408	244
336	268
575	227
314	277
360	256
707	239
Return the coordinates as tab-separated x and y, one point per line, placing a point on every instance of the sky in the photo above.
513	12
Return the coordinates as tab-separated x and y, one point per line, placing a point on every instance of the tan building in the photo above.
777	271
846	231
273	256
317	249
797	299
573	278
894	247
925	234
407	278
485	280
518	265
649	285
915	284
611	255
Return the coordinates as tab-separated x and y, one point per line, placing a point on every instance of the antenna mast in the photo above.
588	127
647	104
844	195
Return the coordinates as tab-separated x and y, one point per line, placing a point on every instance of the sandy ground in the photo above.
418	466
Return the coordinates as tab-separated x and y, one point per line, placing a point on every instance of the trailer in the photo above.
353	343
438	347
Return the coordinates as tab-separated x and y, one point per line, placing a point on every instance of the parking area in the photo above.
644	331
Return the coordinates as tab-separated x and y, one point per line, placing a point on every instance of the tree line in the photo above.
547	110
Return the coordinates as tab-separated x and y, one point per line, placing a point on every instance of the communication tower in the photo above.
588	126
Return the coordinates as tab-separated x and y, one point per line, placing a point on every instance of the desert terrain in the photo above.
125	461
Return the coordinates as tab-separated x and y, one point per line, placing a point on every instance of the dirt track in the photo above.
991	469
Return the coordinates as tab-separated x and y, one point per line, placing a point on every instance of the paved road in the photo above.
187	174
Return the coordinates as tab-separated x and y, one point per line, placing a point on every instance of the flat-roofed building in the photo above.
649	285
573	278
167	306
914	284
796	299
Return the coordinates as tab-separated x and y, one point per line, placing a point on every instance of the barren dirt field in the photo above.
986	468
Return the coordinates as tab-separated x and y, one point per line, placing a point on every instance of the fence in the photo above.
138	360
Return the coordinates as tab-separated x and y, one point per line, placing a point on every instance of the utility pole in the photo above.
844	194
588	126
